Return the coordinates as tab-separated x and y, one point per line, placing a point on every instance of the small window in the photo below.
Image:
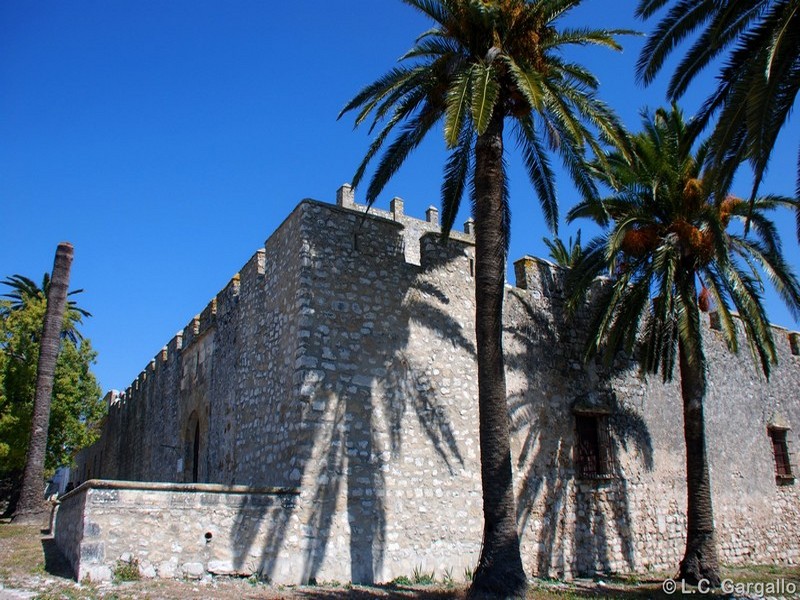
780	449
594	455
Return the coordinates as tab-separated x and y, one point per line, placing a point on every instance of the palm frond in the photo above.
758	82
456	172
372	93
716	285
411	136
485	92
457	107
528	82
402	112
681	21
432	44
24	291
584	273
586	36
438	11
538	169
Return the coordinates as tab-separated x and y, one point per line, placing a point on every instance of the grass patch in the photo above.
761	573
127	570
21	549
9	531
419	577
400	580
422	578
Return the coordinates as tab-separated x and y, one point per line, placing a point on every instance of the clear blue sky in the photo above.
167	140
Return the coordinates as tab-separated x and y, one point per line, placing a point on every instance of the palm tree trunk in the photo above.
499	572
700	559
31	505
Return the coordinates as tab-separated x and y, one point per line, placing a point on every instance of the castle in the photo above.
319	421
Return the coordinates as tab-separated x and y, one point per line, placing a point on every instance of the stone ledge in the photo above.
212	488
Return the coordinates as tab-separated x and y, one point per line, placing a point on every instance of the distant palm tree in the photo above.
24	290
565	255
757	85
30	504
485	62
667	236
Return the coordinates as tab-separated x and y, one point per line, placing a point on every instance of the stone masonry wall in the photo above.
173	530
341	362
635	521
387	447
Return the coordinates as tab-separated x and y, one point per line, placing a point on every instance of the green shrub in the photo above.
127	570
401	580
421	578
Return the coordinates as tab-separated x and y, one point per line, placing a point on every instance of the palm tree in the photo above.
757	85
483	63
668	235
30	504
24	290
565	255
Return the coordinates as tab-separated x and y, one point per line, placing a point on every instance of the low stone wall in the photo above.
177	530
69	521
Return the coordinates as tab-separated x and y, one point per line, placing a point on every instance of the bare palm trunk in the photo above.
499	572
31	505
700	559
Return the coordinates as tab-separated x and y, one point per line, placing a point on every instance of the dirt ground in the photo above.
31	567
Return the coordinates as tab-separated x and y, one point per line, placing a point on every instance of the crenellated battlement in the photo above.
227	299
539	274
420	246
252	269
345	197
413	228
250	276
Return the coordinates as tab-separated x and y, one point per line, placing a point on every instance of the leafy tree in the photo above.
565	255
25	289
76	395
486	62
76	408
668	235
757	85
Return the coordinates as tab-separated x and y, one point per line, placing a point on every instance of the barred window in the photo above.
594	453
780	449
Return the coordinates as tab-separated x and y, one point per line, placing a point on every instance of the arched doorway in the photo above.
196	452
193	444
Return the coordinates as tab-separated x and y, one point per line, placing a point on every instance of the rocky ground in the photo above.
31	567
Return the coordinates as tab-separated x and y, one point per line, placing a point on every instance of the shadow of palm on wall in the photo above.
572	525
362	429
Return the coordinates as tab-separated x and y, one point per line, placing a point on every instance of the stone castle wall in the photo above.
340	362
